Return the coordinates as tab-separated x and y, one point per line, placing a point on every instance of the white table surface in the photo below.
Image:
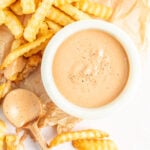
129	128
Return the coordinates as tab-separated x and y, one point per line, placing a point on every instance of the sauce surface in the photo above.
90	68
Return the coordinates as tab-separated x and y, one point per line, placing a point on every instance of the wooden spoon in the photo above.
22	108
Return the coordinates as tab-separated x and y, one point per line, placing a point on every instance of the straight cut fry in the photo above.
73	12
77	135
94	144
28	6
36	20
95	9
59	17
20	51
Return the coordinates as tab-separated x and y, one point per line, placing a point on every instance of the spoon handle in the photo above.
35	131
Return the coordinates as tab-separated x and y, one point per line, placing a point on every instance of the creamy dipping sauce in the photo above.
90	68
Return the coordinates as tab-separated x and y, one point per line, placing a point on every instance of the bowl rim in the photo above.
120	101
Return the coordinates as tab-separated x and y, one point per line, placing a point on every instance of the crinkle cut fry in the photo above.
37	49
62	2
77	135
4	89
13	23
28	6
6	3
16	8
95	9
92	144
33	26
59	17
2	17
2	127
74	12
12	142
54	26
20	51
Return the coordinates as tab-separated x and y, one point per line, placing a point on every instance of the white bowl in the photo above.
124	97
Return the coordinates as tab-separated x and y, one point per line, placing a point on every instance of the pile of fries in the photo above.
33	23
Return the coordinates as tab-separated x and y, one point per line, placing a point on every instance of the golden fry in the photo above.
12	143
20	51
73	12
28	6
94	144
6	3
54	26
62	2
16	8
13	23
16	43
2	128
37	49
43	29
1	142
36	20
4	89
95	9
59	17
77	135
2	17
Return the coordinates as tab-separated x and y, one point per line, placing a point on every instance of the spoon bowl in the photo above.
22	108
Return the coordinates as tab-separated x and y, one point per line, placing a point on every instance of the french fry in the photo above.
1	142
6	3
59	17
62	2
43	29
54	26
94	144
2	128
20	51
12	143
37	49
73	12
2	17
4	89
16	43
77	135
13	24
95	9
16	8
28	6
36	20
